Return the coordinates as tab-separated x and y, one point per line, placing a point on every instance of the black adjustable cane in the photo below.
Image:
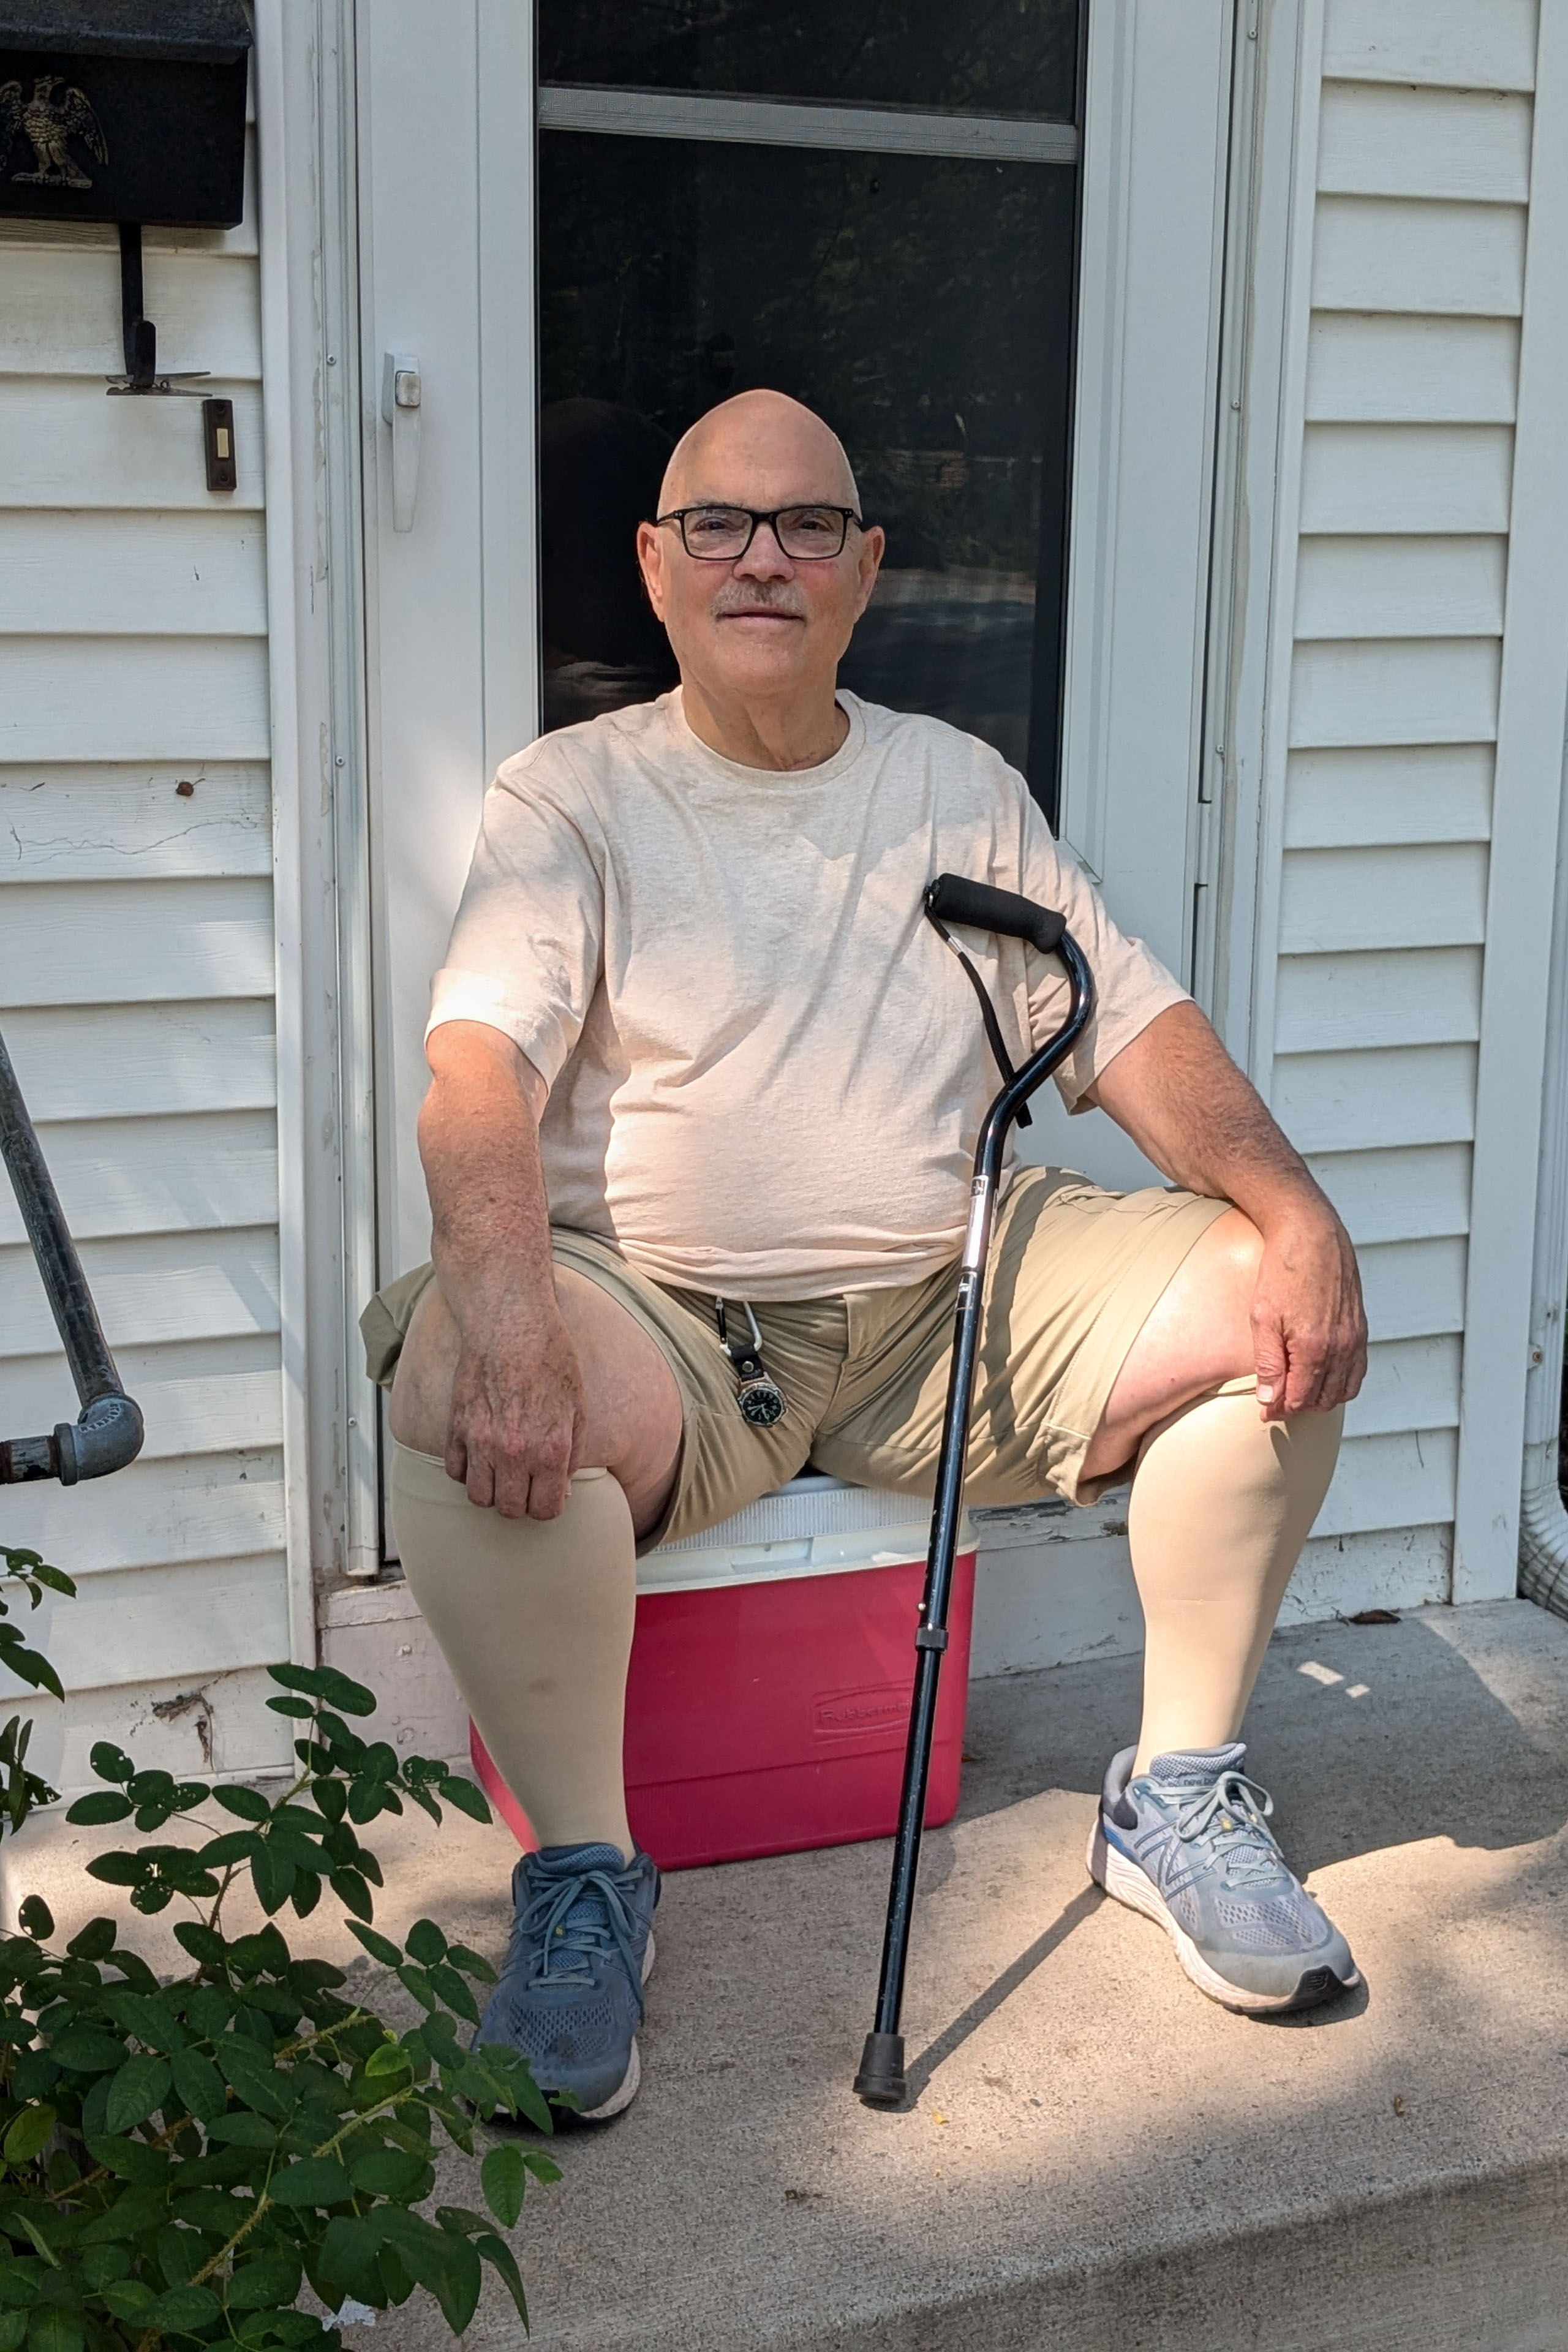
108	1434
949	898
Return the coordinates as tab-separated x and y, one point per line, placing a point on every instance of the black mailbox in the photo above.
120	110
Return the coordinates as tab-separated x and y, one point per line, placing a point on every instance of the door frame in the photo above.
413	261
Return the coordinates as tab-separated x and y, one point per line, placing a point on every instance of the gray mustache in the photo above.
735	599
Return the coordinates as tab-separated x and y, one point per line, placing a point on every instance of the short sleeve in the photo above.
1132	987
526	947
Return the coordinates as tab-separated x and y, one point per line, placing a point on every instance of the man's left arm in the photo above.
1185	1103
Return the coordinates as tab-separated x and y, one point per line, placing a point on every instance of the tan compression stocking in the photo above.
1220	1504
535	1619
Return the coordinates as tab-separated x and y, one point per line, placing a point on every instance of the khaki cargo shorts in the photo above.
1074	1273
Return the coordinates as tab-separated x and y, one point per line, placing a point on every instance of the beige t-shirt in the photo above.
766	1071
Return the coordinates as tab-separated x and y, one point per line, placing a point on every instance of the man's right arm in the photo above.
517	1397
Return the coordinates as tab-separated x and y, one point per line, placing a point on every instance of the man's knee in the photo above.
421	1400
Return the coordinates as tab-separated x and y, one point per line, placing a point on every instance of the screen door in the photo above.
872	206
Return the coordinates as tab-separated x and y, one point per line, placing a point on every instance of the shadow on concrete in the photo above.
920	2070
1367	1736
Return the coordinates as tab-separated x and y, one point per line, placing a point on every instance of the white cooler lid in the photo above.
814	1527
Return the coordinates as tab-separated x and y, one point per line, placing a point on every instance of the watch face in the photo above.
762	1403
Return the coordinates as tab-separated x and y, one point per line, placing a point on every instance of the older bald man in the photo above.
693	1045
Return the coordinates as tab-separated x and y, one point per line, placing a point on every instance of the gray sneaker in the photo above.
571	1987
1187	1843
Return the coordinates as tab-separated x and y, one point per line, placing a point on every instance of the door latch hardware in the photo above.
400	398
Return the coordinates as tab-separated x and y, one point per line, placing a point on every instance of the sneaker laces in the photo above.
1231	1816
578	1919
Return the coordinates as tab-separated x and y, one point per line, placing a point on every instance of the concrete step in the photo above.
1096	2158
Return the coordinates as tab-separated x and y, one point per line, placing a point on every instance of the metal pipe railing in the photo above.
108	1433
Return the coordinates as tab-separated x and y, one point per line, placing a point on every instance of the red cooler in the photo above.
771	1669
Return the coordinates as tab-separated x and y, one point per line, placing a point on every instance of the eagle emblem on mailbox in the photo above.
50	124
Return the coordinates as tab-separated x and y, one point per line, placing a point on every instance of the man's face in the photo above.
763	628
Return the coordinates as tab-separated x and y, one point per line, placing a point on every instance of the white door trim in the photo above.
326	1201
286	176
1272	212
1527	796
1150	287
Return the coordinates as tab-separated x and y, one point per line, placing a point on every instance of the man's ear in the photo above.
873	546
650	562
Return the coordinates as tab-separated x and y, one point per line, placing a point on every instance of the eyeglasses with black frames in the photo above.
722	534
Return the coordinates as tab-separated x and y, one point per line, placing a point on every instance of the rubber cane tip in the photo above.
881	2082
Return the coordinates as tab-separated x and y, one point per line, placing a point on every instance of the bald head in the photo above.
760	449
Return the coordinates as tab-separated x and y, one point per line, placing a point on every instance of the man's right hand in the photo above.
516	1427
518	1413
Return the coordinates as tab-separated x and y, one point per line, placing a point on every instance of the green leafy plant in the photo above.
178	2159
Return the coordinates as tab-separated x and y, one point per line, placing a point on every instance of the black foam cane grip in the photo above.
954	900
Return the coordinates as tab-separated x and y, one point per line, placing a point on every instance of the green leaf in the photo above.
347	2257
129	2299
271	2277
233	1845
248	2070
50	2329
93	1942
118	1869
151	2019
467	1798
27	1665
544	2167
200	2085
352	1893
300	1708
415	1980
131	2216
425	1942
55	1578
447	2266
185	2308
248	1803
100	1805
129	2159
86	2051
511	2068
500	2255
101	2264
391	2058
272	1876
29	2134
326	1683
203	1944
36	1919
472	1963
454	1991
387	2172
457	2289
138	2091
313	2180
13	2330
110	1763
503	2177
243	2130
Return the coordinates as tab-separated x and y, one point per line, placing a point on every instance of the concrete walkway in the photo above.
1097	2158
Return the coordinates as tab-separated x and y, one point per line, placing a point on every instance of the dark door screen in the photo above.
872	205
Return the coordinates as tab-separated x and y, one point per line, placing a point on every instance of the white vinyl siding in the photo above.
1417	270
137	973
